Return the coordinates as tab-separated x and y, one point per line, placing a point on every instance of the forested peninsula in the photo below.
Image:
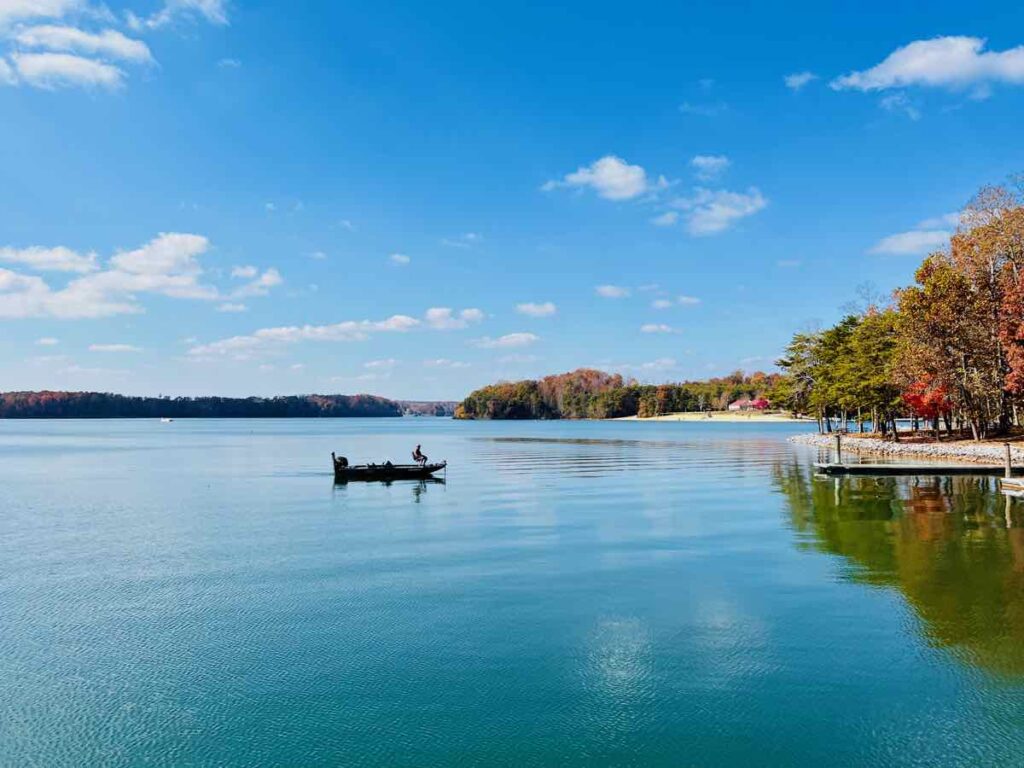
592	394
100	405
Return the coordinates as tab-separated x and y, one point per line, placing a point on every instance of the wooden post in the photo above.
1009	462
839	448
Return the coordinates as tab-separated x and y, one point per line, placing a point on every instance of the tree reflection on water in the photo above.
954	547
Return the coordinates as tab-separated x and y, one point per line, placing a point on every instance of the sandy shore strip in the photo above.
961	450
722	417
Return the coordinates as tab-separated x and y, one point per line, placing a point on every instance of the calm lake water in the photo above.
201	594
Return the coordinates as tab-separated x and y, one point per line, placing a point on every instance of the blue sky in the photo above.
210	197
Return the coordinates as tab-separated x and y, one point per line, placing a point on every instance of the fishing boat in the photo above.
166	421
345	472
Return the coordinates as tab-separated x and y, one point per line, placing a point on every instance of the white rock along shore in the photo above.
984	453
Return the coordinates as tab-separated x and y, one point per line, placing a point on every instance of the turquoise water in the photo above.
201	594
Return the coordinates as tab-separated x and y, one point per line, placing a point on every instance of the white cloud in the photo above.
59	259
666	219
245	347
47	341
798	80
267	340
167	266
709	212
229	64
115	348
232	307
709	167
11	10
63	70
318	255
914	242
381	365
466	240
657	328
7	76
445	319
661	304
688	300
611	177
109	42
168	253
531	309
508	341
443	362
954	62
213	11
261	286
247	272
400	259
612	291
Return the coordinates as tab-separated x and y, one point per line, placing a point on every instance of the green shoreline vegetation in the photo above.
591	394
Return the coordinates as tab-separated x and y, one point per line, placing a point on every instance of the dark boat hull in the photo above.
383	472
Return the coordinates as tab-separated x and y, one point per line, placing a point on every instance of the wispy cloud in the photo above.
898	102
710	212
443	362
911	243
114	348
51	71
59	259
709	167
532	309
269	340
705	109
657	328
612	291
69	52
928	236
465	240
508	341
798	80
213	11
447	319
399	259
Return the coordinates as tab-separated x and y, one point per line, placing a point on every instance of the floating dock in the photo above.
895	470
1006	470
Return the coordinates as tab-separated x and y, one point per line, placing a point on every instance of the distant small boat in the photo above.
345	472
166	421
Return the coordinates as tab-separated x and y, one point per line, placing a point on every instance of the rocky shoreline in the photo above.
982	453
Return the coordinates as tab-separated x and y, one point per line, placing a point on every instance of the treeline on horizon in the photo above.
101	405
592	394
948	350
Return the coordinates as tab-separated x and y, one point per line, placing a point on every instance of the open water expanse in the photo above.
576	594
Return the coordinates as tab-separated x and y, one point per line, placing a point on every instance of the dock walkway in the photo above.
893	470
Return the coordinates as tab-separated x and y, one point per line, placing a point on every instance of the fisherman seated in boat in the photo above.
339	461
419	457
